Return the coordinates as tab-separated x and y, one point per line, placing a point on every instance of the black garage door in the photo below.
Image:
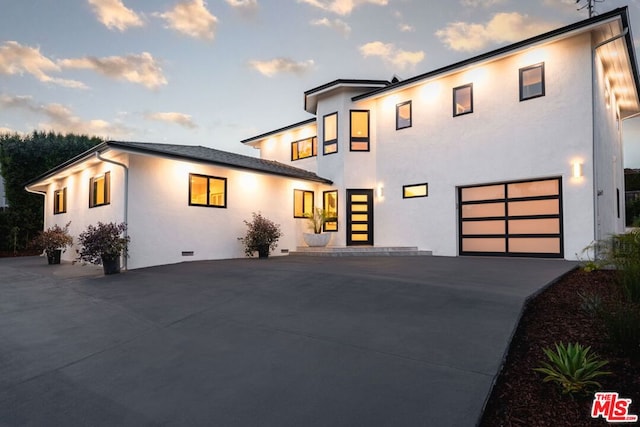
520	218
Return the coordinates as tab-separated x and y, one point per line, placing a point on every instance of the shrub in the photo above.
573	367
106	241
623	328
625	255
317	219
261	233
53	238
590	303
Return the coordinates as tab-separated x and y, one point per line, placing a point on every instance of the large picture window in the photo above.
403	115
60	201
302	203
99	190
463	100
532	82
330	133
359	126
330	205
207	191
304	148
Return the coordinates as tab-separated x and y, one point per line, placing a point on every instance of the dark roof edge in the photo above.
47	174
282	129
346	81
631	49
621	11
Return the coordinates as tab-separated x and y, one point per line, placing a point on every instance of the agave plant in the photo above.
574	367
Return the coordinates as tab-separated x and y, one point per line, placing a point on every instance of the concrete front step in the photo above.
360	251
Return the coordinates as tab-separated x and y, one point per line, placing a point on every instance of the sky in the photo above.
216	72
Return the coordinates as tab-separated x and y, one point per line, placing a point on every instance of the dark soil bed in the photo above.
520	398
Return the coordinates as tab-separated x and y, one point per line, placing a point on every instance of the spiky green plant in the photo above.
573	367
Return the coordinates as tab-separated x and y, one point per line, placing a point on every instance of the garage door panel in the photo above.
535	245
512	218
484	245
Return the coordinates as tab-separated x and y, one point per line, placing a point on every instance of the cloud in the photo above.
61	118
336	24
4	130
342	7
173	117
281	65
18	59
406	28
142	69
191	17
483	3
246	7
503	27
114	14
390	54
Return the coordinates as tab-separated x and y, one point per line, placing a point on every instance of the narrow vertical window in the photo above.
302	203
207	191
359	126
99	190
618	201
304	148
330	205
403	115
463	100
330	133
60	201
532	82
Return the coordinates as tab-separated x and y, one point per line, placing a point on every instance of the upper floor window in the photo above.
207	191
463	100
403	115
532	82
304	148
415	190
330	133
99	190
359	130
60	201
302	203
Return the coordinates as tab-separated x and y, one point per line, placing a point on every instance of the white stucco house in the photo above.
516	152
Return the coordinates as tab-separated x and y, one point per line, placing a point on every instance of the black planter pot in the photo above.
263	251
111	265
53	257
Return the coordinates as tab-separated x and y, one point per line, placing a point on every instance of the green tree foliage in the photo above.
23	158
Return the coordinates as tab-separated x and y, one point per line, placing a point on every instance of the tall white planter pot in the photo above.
316	240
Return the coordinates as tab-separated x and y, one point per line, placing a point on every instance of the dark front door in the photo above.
359	217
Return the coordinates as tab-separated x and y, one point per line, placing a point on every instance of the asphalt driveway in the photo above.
290	341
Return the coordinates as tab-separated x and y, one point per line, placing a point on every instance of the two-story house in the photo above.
516	152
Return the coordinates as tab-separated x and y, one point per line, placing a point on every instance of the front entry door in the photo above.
359	217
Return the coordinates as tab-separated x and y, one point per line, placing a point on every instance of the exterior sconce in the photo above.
576	169
380	191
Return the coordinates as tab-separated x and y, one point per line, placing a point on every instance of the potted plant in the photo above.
262	236
53	241
316	222
104	244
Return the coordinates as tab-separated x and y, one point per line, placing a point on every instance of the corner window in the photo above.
330	205
99	189
403	115
304	148
60	201
302	203
415	190
330	133
463	100
532	82
359	130
207	191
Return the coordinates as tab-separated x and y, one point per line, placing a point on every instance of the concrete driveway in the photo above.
290	341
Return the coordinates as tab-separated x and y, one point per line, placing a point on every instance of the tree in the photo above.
23	158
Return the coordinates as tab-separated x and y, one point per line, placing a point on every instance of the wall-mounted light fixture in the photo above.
576	169
380	191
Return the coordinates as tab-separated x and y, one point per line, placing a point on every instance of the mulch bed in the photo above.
520	398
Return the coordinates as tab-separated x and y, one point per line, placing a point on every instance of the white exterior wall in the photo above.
162	224
502	140
78	211
609	158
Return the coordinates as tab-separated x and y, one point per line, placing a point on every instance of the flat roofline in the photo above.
280	130
311	94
